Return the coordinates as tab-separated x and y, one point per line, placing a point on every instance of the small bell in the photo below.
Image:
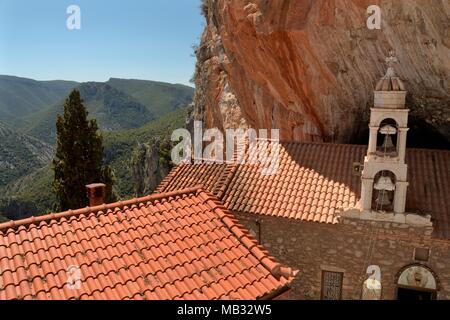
384	185
383	199
388	145
388	131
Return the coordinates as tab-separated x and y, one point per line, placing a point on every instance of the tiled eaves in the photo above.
248	241
106	246
117	206
315	181
132	256
123	271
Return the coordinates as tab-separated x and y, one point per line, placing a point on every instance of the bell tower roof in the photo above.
390	81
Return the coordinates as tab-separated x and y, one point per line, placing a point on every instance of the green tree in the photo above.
79	156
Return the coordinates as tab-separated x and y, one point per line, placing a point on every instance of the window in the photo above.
422	254
332	285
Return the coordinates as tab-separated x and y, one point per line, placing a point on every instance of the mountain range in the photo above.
129	113
20	153
21	97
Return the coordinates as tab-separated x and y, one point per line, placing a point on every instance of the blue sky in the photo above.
139	39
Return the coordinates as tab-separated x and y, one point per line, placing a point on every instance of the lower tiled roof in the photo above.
312	182
180	245
211	176
315	181
429	187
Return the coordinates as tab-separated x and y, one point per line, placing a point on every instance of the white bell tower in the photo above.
384	178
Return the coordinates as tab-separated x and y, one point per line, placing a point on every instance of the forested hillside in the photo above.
117	105
135	116
20	97
20	154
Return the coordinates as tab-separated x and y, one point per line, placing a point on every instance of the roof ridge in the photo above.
427	150
275	268
104	207
230	172
168	178
322	143
356	145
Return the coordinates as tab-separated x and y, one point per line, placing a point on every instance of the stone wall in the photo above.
349	247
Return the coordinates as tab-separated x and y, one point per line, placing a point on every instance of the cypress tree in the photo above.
79	156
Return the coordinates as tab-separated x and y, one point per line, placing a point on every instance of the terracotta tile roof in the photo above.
211	176
315	181
390	84
307	186
429	189
181	245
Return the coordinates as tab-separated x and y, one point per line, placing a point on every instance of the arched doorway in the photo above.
417	282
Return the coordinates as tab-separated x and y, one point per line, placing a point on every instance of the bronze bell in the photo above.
383	198
388	144
388	131
384	185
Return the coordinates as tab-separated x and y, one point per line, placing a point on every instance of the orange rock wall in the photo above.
308	67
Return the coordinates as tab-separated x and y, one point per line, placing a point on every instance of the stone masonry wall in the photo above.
349	247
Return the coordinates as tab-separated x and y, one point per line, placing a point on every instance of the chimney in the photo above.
96	194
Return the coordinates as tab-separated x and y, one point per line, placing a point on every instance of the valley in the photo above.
133	115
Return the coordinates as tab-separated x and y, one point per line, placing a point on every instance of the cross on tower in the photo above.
390	61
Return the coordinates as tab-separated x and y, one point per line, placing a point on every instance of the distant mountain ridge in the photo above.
117	104
160	97
21	97
113	109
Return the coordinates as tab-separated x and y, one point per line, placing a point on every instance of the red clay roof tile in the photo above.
313	171
178	245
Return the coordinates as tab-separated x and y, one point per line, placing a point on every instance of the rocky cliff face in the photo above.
149	166
308	67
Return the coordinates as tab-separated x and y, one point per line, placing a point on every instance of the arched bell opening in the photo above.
387	138
384	192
